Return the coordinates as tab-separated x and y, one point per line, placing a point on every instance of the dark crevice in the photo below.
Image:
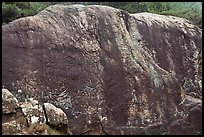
102	128
46	117
126	16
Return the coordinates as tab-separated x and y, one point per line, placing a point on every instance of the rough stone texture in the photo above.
55	115
29	119
33	113
181	127
110	71
9	102
193	107
176	46
11	127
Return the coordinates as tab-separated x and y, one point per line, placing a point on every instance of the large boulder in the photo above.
9	102
110	71
55	116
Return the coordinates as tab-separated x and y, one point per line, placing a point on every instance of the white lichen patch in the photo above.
34	119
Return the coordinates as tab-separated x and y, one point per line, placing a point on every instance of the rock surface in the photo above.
9	102
55	115
30	120
33	113
193	107
110	71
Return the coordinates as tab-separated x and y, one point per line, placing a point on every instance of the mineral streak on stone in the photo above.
110	71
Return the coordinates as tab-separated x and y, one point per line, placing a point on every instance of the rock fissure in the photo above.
46	117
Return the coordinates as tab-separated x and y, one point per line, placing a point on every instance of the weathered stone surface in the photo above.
29	118
190	120
110	71
9	102
181	127
176	46
33	112
55	115
193	108
14	123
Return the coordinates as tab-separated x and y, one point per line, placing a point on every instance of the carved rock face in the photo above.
107	69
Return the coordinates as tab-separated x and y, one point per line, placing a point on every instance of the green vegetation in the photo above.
15	10
189	10
9	12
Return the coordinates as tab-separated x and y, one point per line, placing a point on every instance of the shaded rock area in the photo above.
192	108
27	118
110	72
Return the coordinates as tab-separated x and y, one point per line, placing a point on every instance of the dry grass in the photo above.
22	120
54	132
39	128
